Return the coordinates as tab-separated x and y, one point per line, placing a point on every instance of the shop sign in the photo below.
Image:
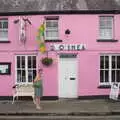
68	47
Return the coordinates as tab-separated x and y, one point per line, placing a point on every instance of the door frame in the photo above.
76	57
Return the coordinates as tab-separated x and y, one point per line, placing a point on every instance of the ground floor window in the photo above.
109	68
25	68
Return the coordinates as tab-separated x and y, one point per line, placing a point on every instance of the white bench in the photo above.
23	90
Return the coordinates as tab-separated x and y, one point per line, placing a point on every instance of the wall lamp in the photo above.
67	31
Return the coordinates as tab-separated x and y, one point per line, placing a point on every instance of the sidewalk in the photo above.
61	107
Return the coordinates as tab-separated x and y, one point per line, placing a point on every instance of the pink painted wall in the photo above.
84	29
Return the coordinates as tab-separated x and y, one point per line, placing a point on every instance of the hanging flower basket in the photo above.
47	61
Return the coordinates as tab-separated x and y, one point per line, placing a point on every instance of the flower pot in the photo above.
47	61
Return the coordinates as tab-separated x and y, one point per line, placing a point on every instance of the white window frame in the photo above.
26	69
50	30
110	69
4	30
104	28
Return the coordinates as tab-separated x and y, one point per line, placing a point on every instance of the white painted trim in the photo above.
26	68
110	68
58	76
104	27
57	29
15	70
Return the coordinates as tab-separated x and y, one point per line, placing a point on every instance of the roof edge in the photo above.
61	12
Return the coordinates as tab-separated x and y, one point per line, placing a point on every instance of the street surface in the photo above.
61	110
59	117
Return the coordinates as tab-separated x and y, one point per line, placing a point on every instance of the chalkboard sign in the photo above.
114	92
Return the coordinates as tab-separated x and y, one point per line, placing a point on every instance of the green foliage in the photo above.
47	61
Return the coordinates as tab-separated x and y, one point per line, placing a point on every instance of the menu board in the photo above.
114	92
5	68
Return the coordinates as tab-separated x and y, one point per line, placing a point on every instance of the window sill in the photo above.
56	40
107	40
4	41
104	86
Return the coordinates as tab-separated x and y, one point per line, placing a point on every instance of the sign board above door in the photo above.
68	47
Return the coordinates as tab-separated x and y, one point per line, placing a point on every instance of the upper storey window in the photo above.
51	29
4	29
106	27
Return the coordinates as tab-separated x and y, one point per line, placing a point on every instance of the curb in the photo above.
61	114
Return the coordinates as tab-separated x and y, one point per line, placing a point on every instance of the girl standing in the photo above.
38	88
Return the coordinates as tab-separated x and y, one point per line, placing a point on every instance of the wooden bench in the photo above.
23	90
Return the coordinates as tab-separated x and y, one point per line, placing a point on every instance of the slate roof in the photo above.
57	6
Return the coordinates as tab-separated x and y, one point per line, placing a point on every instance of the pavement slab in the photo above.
62	107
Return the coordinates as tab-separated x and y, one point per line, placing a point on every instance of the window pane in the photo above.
106	62
101	76
34	61
106	76
51	29
106	27
113	75
106	21
34	74
19	76
5	25
48	24
102	33
118	76
118	61
109	24
18	61
0	25
101	62
113	62
49	34
30	75
51	24
3	34
4	29
29	62
108	33
54	33
23	76
102	24
23	61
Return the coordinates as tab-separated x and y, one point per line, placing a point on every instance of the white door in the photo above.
68	77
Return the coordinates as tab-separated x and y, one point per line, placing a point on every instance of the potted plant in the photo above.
47	61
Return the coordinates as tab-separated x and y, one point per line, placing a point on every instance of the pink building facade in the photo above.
81	59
